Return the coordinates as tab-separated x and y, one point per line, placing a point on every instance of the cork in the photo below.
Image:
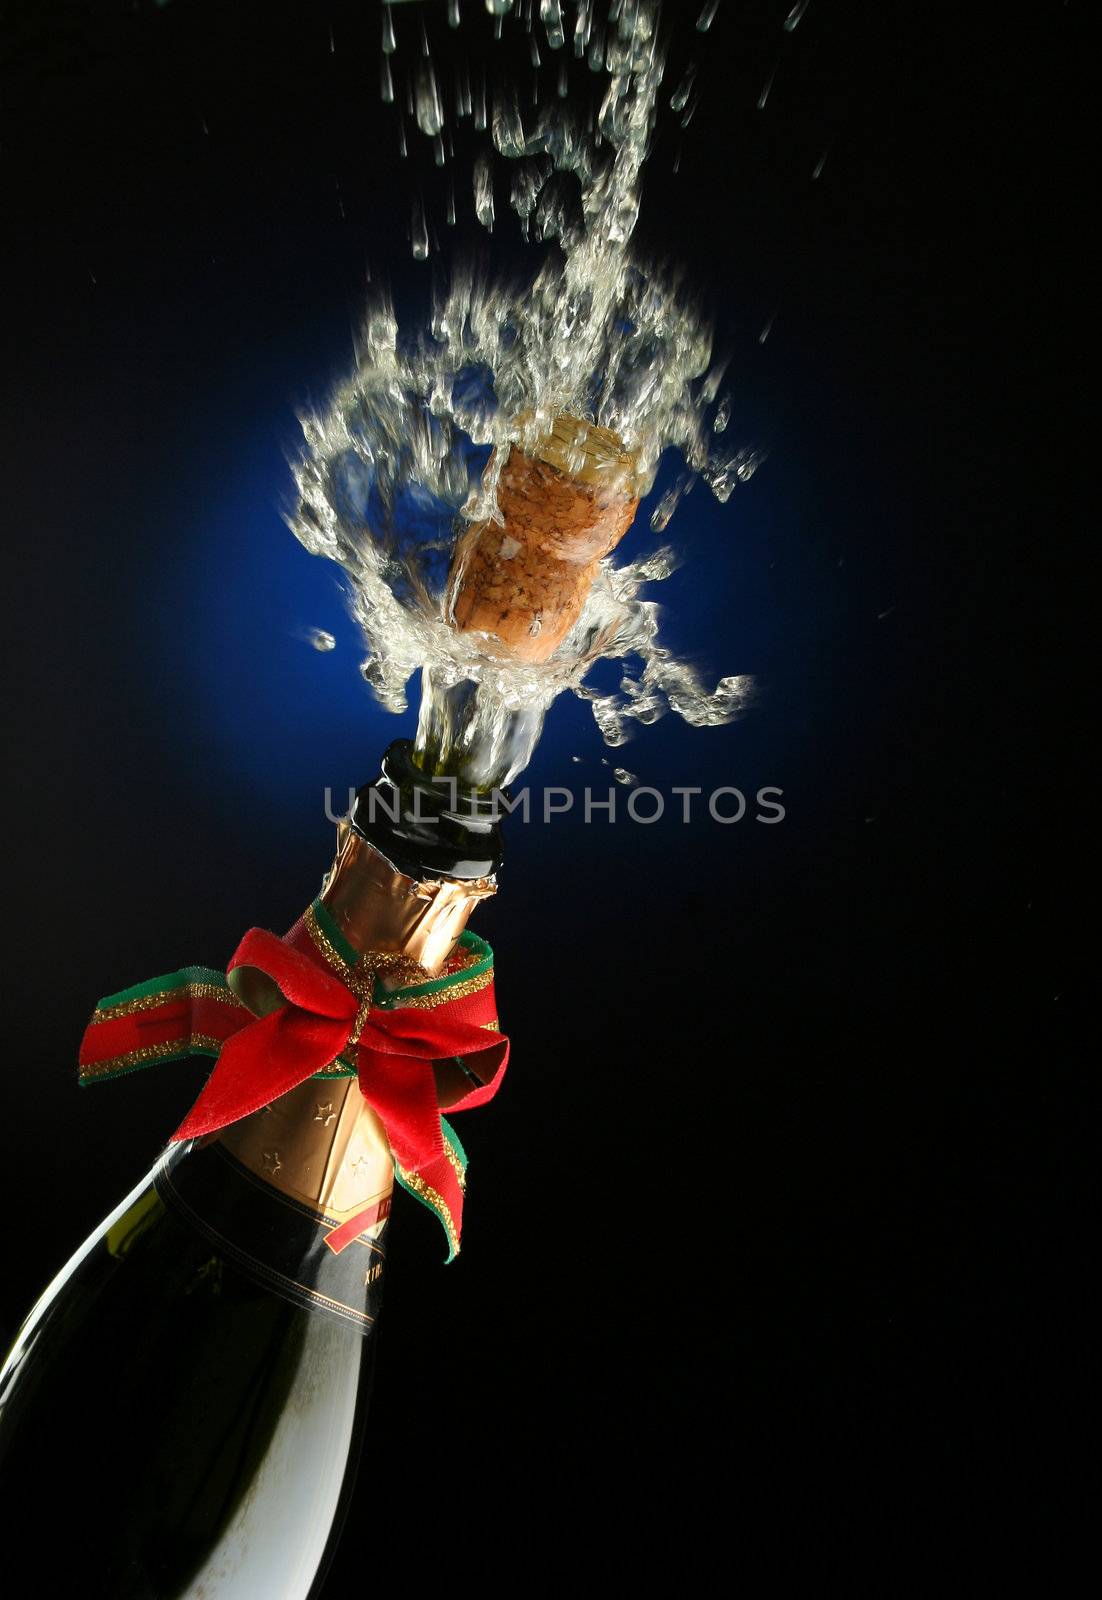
566	503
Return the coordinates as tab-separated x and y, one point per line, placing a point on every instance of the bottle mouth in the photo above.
429	826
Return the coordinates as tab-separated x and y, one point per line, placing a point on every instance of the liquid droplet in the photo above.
707	16
419	232
463	94
430	110
795	16
622	775
664	510
680	97
767	87
321	640
454	19
817	170
390	43
508	126
551	17
484	192
386	82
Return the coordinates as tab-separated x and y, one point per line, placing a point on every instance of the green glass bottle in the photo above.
187	1399
207	1413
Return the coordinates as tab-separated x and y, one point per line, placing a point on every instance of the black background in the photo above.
771	1241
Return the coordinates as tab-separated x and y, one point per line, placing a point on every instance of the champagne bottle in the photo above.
202	1365
199	1372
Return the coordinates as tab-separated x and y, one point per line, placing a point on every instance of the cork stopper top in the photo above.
565	502
587	453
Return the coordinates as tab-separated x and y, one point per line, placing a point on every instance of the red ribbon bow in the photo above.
318	1018
393	1053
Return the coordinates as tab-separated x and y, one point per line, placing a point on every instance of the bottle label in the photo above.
274	1238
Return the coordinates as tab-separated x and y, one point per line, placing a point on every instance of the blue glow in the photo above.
281	720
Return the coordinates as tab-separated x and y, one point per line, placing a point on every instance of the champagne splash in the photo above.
411	446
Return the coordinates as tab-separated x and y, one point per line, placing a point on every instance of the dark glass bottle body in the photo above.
189	1430
185	1404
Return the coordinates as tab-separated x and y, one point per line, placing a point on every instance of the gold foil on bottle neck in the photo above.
322	1144
377	907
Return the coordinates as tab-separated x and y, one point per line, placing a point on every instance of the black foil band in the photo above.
428	826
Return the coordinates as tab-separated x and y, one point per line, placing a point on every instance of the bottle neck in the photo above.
323	1147
378	907
321	1144
430	824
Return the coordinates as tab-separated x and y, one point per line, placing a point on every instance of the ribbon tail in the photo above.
446	1202
402	1090
437	1186
189	1012
403	1093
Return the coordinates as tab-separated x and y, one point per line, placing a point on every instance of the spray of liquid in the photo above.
410	445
